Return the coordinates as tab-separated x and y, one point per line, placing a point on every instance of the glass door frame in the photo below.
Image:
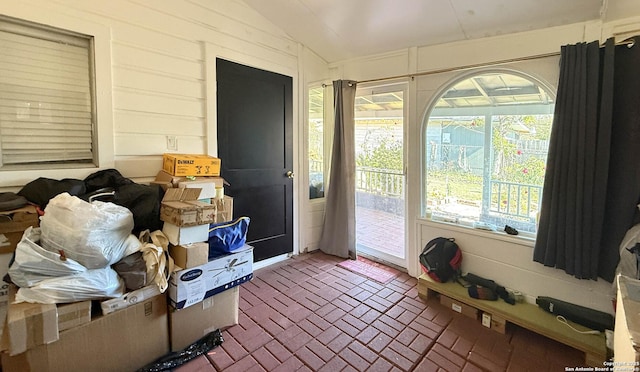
381	88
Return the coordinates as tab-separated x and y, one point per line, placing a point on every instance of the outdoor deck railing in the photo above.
515	199
387	182
509	199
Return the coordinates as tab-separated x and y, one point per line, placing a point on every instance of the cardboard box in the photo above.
12	226
626	335
30	325
494	322
73	315
5	260
190	286
181	207
188	325
224	209
190	255
122	341
208	185
499	324
178	235
129	299
191	165
4	306
459	307
168	181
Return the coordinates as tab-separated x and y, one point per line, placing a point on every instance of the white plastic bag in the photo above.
32	263
132	245
90	285
94	234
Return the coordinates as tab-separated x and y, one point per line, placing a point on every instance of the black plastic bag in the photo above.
10	201
41	190
178	358
142	200
105	178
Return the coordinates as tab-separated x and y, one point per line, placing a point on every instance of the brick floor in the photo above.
308	314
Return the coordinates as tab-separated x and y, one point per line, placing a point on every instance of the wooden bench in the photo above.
525	315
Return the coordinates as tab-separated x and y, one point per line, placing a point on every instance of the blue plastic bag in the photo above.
228	236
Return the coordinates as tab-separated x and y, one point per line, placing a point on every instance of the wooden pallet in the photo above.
525	315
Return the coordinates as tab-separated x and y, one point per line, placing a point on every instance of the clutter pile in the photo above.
91	265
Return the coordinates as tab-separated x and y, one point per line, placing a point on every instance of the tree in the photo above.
380	149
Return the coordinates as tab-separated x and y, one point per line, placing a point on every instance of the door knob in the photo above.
290	174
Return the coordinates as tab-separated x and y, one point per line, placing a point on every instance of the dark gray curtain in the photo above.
339	232
592	181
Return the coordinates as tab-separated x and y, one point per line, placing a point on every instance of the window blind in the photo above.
46	95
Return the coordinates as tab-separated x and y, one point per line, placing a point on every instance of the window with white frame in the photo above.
485	149
316	143
47	104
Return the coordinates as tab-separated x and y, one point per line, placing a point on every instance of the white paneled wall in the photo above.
157	79
158	61
313	226
509	262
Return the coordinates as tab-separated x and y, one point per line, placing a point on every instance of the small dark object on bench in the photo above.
490	284
510	230
588	317
482	293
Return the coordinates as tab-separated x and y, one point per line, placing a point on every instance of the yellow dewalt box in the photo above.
190	165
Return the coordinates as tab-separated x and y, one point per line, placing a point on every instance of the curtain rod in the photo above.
465	67
629	43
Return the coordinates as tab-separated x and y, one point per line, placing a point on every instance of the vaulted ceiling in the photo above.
337	30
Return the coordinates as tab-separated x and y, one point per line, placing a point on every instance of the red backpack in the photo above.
441	259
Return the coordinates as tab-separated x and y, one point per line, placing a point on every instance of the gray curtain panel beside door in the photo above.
339	232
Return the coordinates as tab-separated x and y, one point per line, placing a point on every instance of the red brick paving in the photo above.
308	314
380	230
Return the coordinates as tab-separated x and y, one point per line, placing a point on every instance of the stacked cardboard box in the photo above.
203	294
189	204
186	219
40	337
143	325
12	226
192	285
121	341
205	297
211	191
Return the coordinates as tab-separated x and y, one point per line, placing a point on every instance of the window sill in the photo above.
19	178
496	235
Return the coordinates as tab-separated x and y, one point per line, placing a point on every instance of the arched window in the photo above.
486	139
